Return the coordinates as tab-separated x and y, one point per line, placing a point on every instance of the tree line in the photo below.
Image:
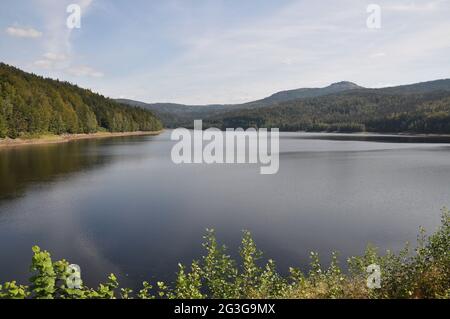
359	111
33	105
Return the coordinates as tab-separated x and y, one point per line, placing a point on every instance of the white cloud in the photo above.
290	48
60	62
44	64
84	70
378	55
414	7
58	37
55	57
58	40
51	60
23	32
287	61
84	4
303	45
294	44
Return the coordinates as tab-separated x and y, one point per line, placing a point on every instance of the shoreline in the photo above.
401	134
65	138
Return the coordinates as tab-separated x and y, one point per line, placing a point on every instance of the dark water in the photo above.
120	205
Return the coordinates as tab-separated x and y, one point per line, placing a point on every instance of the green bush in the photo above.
420	273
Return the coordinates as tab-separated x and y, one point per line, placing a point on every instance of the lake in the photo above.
121	206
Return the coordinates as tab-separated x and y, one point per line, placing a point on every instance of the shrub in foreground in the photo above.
420	273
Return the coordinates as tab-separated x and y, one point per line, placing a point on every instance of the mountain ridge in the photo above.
173	114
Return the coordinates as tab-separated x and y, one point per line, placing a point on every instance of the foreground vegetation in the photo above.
422	273
31	106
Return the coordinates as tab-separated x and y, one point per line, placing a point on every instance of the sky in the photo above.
226	51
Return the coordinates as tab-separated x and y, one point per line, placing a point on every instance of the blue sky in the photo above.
225	51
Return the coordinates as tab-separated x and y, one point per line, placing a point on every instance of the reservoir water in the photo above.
121	206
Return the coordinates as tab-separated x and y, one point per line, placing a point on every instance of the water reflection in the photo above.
385	138
21	167
122	206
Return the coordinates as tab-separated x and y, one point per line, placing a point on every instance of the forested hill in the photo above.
174	115
33	105
356	111
340	107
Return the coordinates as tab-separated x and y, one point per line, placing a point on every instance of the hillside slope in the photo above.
174	115
304	93
343	107
33	105
362	110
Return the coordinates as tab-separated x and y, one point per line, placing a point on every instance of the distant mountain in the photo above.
392	110
340	107
418	88
180	114
174	115
290	95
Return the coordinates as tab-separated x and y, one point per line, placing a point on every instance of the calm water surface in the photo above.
120	205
